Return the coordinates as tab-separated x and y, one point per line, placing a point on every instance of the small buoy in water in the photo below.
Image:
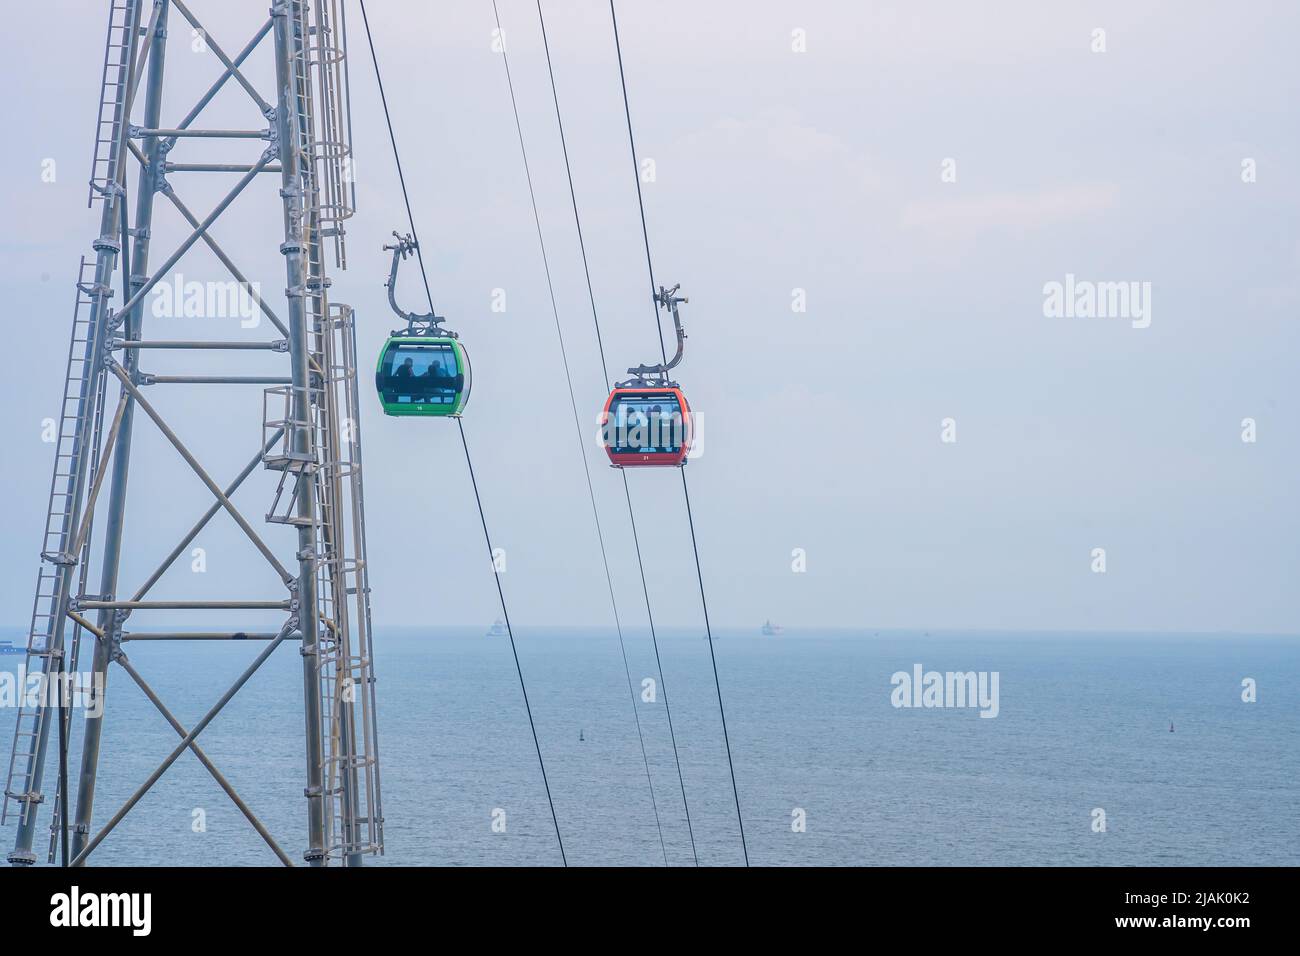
1171	726
581	738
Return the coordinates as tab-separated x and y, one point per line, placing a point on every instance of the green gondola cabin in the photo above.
423	375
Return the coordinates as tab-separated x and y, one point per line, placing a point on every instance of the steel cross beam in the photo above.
217	775
231	67
199	230
185	453
203	759
169	191
251	605
203	521
197	636
149	378
188	739
170	167
202	228
181	345
216	86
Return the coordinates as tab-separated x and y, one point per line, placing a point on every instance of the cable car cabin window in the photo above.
420	374
646	425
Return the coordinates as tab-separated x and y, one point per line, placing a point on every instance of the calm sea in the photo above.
1083	724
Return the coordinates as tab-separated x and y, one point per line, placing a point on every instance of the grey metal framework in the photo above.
310	431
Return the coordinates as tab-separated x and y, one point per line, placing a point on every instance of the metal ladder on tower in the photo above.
331	150
350	766
83	573
75	407
355	583
338	678
353	662
117	48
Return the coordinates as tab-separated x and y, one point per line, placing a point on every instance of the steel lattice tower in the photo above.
309	431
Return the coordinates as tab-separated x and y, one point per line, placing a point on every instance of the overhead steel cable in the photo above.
392	138
496	576
604	369
636	175
577	425
374	59
699	573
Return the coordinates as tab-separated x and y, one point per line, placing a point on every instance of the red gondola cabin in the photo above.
646	427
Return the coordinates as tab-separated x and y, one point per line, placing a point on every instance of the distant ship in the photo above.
7	647
772	630
498	629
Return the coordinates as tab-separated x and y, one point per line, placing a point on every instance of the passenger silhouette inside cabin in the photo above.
635	432
656	437
421	375
435	372
435	380
647	428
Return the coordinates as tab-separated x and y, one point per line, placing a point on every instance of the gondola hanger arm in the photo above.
669	299
416	322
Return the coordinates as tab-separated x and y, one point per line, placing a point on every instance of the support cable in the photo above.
645	235
604	368
496	576
636	175
397	160
392	138
577	426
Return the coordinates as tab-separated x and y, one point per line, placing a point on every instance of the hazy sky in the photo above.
776	171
